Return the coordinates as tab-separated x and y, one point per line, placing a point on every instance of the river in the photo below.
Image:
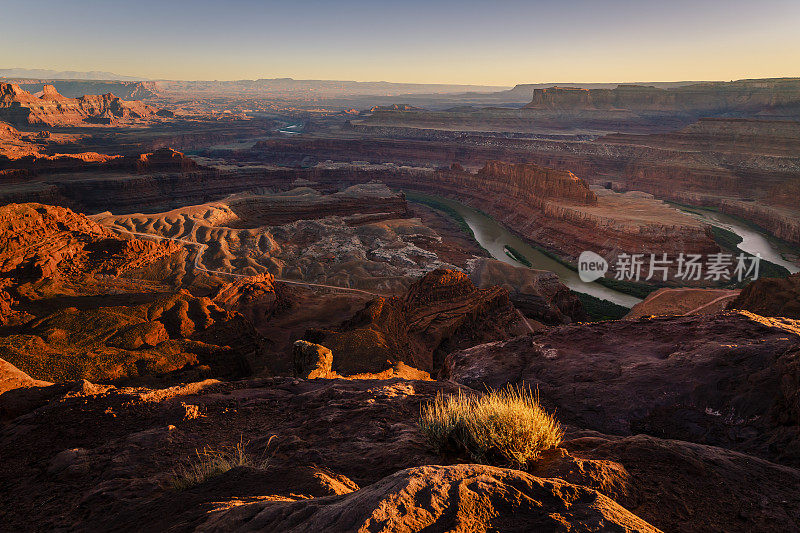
494	238
753	241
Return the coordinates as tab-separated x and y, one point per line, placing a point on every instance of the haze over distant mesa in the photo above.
247	281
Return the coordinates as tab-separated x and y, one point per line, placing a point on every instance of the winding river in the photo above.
753	241
494	238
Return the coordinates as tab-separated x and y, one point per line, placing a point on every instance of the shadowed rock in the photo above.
311	360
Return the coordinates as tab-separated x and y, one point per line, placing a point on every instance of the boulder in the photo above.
311	360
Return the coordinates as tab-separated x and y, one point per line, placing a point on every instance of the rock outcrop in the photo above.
538	294
12	377
567	217
166	334
771	297
46	249
770	96
256	297
731	380
311	360
367	460
21	108
357	238
440	313
79	302
422	499
127	90
533	183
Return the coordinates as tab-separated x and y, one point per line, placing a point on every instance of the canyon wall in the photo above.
127	90
533	183
743	166
779	96
21	108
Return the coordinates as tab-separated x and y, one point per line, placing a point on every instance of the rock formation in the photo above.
311	360
21	108
420	499
533	183
356	238
771	297
127	90
45	249
771	96
538	294
731	381
567	217
165	334
367	460
12	378
438	314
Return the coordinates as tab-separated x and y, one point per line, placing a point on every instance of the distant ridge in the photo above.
64	74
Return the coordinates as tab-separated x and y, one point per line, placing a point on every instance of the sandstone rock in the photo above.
424	499
165	334
322	439
702	99
729	379
255	297
20	107
706	489
312	360
533	183
440	312
771	297
45	248
537	293
12	377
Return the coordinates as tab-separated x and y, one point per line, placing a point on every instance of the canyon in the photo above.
199	269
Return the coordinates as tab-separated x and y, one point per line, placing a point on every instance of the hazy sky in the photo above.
489	42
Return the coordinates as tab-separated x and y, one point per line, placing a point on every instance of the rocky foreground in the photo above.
123	361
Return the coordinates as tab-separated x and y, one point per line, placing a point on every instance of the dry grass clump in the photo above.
506	425
208	463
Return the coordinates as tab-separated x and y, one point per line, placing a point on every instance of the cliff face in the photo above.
20	107
21	166
771	297
748	168
127	90
776	96
532	183
557	210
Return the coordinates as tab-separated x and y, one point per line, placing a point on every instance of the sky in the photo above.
501	42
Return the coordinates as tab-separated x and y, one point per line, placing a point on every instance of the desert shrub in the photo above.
506	425
208	462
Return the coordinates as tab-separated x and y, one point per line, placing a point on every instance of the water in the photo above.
292	129
494	237
753	241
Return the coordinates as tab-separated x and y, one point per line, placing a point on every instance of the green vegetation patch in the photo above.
599	309
516	255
